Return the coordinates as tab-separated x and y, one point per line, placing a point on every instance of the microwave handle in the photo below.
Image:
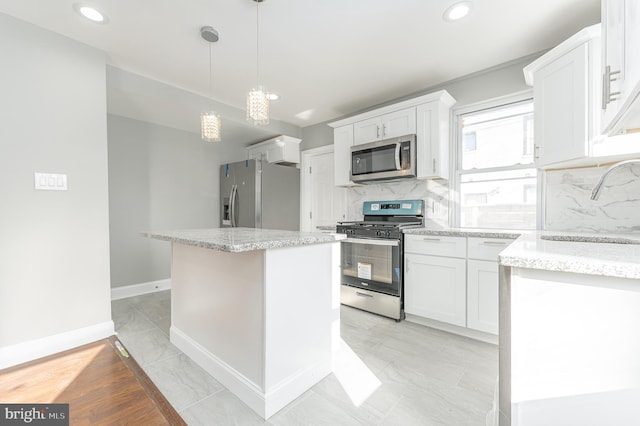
398	146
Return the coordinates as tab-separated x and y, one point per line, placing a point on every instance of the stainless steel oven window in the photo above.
372	264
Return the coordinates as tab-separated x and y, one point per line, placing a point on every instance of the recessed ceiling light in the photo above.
457	11
91	13
272	96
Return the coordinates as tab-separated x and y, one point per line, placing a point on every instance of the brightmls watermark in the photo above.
34	414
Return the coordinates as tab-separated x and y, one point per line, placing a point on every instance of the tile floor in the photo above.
387	373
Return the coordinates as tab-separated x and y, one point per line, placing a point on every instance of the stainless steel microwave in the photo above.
388	159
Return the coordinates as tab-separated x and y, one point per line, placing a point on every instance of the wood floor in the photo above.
100	385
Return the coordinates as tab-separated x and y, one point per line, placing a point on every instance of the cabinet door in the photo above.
435	288
561	108
432	140
399	123
482	295
342	142
367	130
621	43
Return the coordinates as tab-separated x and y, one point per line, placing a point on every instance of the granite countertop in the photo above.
465	232
236	240
593	255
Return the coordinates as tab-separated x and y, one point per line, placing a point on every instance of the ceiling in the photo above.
325	59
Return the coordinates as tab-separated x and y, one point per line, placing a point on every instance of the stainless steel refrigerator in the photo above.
256	194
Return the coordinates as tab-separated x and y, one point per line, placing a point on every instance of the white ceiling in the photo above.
325	58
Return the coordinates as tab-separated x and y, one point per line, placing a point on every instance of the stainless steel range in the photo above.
373	255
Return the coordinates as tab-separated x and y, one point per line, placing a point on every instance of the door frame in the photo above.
305	184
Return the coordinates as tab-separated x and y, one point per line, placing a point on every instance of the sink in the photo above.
589	239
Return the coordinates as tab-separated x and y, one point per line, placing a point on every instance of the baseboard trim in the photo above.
462	331
138	289
265	404
38	348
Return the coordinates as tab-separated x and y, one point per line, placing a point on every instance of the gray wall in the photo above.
160	178
497	81
54	245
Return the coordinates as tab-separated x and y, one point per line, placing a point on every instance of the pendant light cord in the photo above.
210	81
257	46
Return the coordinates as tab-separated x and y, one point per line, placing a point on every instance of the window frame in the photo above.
457	149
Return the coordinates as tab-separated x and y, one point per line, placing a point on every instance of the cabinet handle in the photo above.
607	78
536	152
378	132
434	165
494	243
384	130
406	265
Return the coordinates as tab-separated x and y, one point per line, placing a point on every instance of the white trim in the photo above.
264	404
441	96
38	348
138	289
462	331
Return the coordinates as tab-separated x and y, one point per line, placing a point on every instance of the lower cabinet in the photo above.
453	280
435	288
482	295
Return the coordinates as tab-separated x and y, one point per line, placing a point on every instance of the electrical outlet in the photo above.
50	181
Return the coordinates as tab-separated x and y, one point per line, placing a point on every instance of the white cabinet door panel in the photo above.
482	295
399	123
367	131
342	142
435	288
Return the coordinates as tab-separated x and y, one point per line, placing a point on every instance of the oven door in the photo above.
372	264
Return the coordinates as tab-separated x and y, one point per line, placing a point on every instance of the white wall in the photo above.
160	178
54	245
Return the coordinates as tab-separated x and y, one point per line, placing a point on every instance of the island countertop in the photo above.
235	240
591	254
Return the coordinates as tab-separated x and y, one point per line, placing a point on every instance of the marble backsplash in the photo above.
567	203
435	194
568	207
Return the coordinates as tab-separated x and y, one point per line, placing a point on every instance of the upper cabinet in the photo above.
620	66
397	123
426	116
281	149
566	90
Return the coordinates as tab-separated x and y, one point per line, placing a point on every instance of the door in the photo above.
327	200
366	131
399	123
322	203
246	200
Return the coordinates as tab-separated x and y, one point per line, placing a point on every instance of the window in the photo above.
495	178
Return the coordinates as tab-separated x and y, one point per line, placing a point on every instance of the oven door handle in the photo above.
373	242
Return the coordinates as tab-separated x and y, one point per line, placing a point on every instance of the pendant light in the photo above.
209	120
258	98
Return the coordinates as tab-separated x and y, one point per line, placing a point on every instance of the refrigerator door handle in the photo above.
231	205
234	199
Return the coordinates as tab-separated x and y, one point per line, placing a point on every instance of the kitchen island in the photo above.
258	309
570	330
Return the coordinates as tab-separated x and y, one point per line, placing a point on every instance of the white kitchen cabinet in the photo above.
435	288
397	123
433	138
566	92
426	116
435	278
281	149
342	142
620	66
482	282
482	295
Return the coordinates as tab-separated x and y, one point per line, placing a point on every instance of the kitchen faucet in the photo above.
595	192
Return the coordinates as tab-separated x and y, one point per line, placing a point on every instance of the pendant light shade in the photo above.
210	126
258	107
257	98
210	121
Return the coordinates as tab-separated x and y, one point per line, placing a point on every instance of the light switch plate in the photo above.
50	181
